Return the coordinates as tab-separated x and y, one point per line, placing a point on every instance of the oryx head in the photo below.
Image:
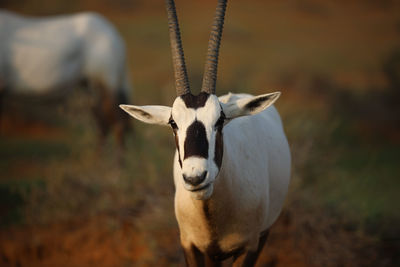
198	121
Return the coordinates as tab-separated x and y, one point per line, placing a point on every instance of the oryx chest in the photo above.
231	219
212	229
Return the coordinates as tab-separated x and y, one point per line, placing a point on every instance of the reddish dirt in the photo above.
300	239
96	241
295	240
18	126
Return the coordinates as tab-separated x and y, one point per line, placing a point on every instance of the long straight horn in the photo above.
178	58
210	70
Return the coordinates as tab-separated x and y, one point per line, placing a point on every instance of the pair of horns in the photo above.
210	70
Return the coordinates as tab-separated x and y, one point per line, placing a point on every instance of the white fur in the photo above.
160	114
247	195
250	189
42	56
234	104
184	117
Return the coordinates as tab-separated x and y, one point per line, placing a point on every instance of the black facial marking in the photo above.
221	120
219	148
174	127
177	147
192	101
219	142
196	143
252	105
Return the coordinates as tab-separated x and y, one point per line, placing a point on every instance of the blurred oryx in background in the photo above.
48	57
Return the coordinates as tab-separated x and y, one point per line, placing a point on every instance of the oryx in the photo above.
47	57
232	160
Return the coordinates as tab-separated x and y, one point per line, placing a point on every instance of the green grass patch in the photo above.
349	175
38	150
13	198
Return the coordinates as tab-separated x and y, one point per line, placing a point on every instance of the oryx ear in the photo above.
149	114
249	105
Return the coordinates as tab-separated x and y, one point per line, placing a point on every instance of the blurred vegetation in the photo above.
338	66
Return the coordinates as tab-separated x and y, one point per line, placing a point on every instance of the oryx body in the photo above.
232	162
48	57
248	192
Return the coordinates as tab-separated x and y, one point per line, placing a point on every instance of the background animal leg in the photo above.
124	122
249	259
101	111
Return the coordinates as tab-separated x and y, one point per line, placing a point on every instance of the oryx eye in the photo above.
220	121
173	124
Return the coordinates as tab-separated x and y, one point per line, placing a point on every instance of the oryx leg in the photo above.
195	258
109	117
101	109
249	258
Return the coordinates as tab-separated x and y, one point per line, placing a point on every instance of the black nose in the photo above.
195	180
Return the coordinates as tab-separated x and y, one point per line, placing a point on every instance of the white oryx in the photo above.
232	162
48	57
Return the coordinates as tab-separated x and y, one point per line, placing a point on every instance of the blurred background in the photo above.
337	63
